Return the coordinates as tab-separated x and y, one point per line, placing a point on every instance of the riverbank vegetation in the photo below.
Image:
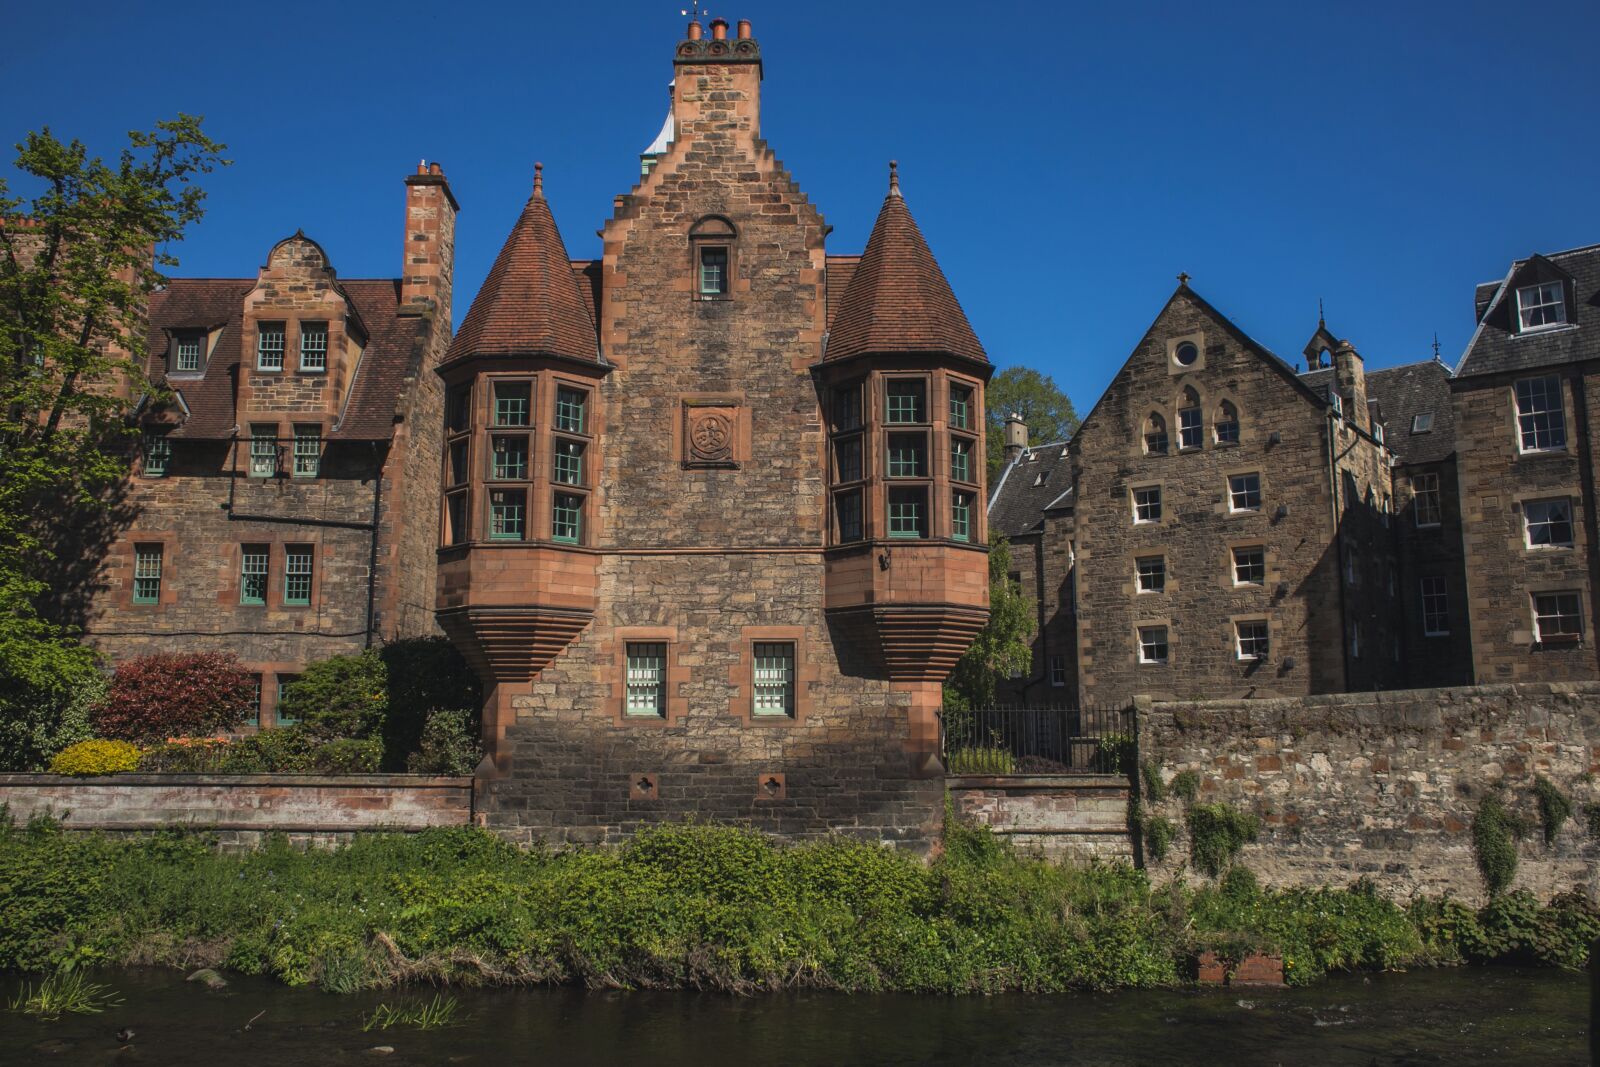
709	907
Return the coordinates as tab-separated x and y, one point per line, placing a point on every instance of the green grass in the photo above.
66	992
432	1014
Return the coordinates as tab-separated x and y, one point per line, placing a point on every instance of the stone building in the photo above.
1525	397
284	505
1222	524
712	528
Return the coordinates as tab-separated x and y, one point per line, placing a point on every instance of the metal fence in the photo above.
1014	740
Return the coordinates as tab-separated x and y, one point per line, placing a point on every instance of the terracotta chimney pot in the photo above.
744	29
719	29
695	31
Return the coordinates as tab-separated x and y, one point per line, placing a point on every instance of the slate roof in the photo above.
391	354
1040	478
1497	347
1406	391
530	303
897	299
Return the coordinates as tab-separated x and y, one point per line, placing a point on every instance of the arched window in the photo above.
1189	419
1225	425
712	243
1155	435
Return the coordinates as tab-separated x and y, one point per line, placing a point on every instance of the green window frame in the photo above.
508	458
961	516
772	679
647	680
907	400
269	346
147	574
847	514
960	459
263	450
307	451
566	518
568	462
713	271
314	346
508	514
908	455
570	409
186	354
284	682
157	454
513	403
908	513
960	407
253	563
298	564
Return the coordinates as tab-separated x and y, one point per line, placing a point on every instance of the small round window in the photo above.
1186	354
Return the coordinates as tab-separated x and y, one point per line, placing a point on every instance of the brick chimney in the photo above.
1016	437
428	267
718	82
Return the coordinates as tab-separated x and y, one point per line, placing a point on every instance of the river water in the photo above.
1457	1017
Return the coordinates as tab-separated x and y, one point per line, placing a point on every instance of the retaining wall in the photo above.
1071	817
1385	785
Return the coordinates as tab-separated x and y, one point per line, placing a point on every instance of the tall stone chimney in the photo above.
717	82
1016	437
427	269
1350	373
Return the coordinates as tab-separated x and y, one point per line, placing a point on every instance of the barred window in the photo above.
1541	305
570	409
960	459
906	400
269	346
253	575
773	682
157	453
1548	523
187	354
908	455
313	346
847	512
297	575
1152	572
512	403
1557	618
647	680
1425	499
1251	639
508	509
263	450
566	522
509	458
1250	565
147	574
307	451
1244	492
960	408
961	516
1540	420
1152	644
908	513
1147	504
568	462
1435	607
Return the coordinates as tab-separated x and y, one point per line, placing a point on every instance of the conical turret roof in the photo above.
529	304
898	299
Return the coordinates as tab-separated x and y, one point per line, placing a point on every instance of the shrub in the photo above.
1591	814
1216	834
286	750
1155	790
981	761
45	710
88	758
1554	808
186	694
1494	845
1158	835
341	696
1185	786
1115	753
449	744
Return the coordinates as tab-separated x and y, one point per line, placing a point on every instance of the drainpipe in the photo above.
372	557
1580	411
1338	538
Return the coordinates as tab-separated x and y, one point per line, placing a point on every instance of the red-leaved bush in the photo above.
188	694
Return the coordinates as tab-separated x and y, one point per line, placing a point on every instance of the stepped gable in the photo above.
529	304
898	299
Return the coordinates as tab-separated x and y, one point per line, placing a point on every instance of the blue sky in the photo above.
1064	164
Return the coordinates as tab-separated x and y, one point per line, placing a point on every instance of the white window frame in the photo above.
1431	494
1545	301
1187	430
1545	520
198	340
1159	574
1261	643
1154	647
263	451
1564	636
772	688
645	664
307	451
269	357
1548	422
1236	492
1422	422
313	358
1153	505
1260	552
1435	595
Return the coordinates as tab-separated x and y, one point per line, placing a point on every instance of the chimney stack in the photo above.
427	267
1016	437
719	29
1349	373
720	97
744	29
696	31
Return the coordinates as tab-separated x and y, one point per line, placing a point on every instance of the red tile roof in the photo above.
530	303
840	270
897	299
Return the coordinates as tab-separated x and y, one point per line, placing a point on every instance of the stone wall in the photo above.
1385	785
1075	818
243	808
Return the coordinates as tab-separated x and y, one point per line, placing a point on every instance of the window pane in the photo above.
568	462
1252	640
908	455
647	680
263	451
713	270
456	512
1249	566
1147	504
297	575
507	514
458	409
1152	574
906	400
157	451
773	679
1189	428
1541	305
512	403
847	459
459	453
254	718
307	451
908	513
960	408
1425	493
847	407
567	518
1244	492
1557	617
1549	523
1435	607
253	575
509	457
147	574
847	508
284	682
1540	419
188	354
313	346
570	405
960	459
269	346
961	516
1152	644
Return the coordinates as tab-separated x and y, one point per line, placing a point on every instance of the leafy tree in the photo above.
1005	644
1034	396
175	694
77	261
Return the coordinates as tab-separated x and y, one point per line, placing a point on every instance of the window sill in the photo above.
1564	641
1540	453
1540	331
269	370
313	370
1440	633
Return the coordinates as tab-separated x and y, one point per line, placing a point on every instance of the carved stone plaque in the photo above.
710	435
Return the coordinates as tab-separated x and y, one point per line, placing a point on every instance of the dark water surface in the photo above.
1457	1017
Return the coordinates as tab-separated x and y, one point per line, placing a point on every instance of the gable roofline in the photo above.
1250	344
1505	285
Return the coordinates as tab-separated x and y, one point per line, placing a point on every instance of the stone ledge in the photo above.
302	781
1073	782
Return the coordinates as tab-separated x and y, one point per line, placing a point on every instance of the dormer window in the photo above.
1422	422
186	350
1540	306
1377	432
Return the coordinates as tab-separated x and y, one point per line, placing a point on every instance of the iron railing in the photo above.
1054	740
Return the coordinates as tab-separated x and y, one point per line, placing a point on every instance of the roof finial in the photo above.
1321	321
1183	278
1436	358
894	177
538	180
